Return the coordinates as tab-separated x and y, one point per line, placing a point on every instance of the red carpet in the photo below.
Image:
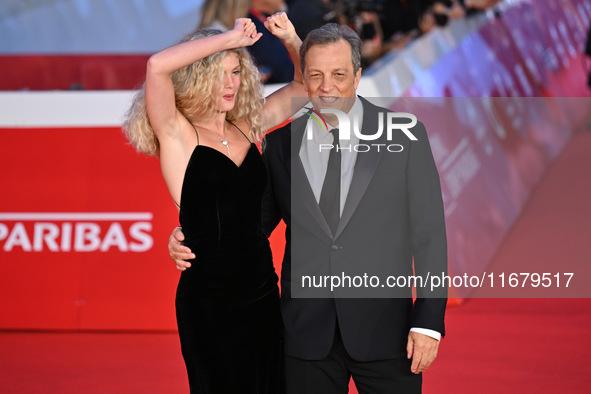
492	346
529	345
91	363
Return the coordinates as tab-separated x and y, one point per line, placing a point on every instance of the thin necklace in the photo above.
223	140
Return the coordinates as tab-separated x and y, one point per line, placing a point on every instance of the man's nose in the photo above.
325	85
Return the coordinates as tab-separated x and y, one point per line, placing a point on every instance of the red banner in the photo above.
84	227
83	231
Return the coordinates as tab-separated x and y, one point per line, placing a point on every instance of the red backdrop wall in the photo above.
83	230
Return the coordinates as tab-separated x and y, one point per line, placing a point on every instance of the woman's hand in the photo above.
245	33
279	106
280	26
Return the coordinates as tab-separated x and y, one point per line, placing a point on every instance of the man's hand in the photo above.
177	251
422	349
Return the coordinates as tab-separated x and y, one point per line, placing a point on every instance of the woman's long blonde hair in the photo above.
195	88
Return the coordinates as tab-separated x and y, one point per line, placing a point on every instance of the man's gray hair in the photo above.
329	34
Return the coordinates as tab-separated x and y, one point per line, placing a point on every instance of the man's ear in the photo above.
357	77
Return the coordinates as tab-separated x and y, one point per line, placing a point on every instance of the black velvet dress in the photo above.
227	302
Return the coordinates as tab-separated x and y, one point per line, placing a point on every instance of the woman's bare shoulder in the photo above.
243	126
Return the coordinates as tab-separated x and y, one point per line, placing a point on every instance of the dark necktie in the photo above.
330	196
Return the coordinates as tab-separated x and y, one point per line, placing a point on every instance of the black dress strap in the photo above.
196	133
240	131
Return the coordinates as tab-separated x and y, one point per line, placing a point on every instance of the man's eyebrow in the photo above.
310	69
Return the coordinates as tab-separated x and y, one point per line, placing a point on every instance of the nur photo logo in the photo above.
388	122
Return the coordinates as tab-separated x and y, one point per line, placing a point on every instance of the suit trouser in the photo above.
331	375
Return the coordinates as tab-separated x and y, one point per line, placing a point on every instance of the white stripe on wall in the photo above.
75	216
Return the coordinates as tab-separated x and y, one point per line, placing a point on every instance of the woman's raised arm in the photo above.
278	106
160	100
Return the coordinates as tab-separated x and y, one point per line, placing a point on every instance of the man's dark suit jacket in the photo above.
393	213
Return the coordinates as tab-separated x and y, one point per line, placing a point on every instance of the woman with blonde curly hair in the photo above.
200	111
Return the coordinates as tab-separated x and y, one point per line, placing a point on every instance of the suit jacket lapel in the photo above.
300	186
365	166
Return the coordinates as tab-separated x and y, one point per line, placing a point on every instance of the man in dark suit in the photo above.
351	212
